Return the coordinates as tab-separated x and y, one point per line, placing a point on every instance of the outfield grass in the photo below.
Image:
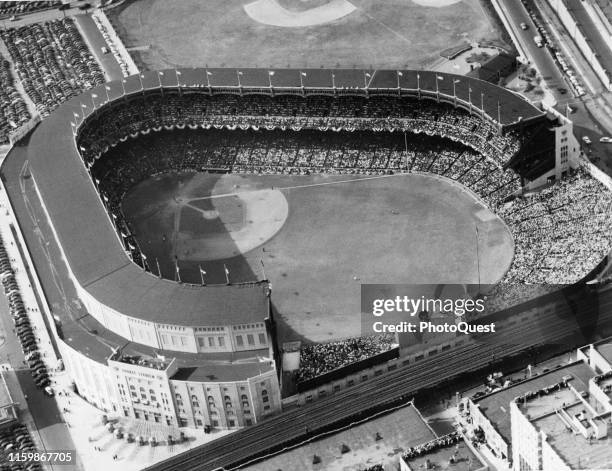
218	33
339	232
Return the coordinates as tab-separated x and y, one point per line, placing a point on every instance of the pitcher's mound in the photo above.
269	12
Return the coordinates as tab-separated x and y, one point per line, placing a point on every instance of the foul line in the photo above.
309	185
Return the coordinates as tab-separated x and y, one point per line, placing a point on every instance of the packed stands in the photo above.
546	225
17	8
348	113
317	359
52	61
559	231
13	110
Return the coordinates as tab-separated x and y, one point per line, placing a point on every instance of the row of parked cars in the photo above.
22	323
13	110
544	40
16	8
17	439
112	46
52	61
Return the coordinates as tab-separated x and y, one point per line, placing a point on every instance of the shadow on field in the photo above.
152	209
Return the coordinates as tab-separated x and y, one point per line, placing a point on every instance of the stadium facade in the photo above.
191	355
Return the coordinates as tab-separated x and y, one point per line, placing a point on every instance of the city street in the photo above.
37	410
539	56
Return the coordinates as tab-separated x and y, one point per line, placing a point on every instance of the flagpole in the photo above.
270	73
482	103
202	275
470	95
144	260
227	281
158	269
178	270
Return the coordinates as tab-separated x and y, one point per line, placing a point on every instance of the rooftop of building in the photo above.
575	450
465	459
605	350
496	405
220	372
597	41
606	386
398	430
606	7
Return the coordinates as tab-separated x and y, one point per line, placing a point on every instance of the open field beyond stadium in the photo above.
292	33
319	237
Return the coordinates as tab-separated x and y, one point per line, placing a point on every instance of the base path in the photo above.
264	213
269	12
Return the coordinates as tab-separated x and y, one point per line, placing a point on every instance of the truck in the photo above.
538	40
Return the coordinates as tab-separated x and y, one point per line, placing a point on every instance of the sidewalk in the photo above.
97	446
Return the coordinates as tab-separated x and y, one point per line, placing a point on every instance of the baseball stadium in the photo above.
191	224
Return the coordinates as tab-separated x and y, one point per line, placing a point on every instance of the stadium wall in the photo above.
93	380
163	336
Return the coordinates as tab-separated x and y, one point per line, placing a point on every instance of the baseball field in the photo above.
317	238
299	33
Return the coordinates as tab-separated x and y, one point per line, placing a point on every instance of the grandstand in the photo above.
82	159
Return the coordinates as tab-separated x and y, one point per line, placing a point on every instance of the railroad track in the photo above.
358	402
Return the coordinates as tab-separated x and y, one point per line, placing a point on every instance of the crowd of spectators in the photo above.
18	8
320	358
13	110
560	232
431	446
17	439
347	113
52	62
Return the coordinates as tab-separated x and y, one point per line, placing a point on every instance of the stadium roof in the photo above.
511	105
89	242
